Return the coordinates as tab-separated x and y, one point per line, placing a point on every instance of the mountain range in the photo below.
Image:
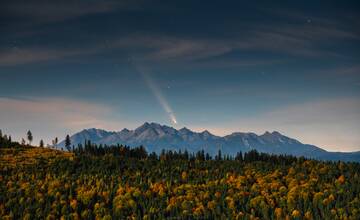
155	137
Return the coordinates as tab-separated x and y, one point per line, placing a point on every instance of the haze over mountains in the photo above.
155	137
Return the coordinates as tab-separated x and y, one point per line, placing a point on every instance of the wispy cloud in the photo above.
26	55
157	48
188	49
15	56
305	40
298	40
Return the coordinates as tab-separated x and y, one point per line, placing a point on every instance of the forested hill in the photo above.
119	182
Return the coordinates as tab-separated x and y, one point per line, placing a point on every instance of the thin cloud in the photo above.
298	40
19	56
31	55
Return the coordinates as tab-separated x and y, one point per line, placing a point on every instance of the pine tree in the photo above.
29	137
207	157
239	156
219	157
67	142
55	142
1	138
41	143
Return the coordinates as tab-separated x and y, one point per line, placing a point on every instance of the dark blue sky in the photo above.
222	66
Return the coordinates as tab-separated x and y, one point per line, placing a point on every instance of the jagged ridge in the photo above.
156	137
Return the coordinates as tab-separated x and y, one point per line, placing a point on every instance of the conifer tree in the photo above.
55	142
29	137
1	138
41	143
67	142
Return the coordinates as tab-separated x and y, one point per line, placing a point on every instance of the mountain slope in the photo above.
156	137
92	134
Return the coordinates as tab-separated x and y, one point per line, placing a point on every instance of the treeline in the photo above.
6	140
140	153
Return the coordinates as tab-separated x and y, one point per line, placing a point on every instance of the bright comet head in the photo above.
173	119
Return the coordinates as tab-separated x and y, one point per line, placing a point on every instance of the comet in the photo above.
157	93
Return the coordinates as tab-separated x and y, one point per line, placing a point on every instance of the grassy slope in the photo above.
10	157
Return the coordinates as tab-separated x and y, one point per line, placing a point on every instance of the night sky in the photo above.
225	66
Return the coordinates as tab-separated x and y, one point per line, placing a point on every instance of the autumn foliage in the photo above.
124	183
